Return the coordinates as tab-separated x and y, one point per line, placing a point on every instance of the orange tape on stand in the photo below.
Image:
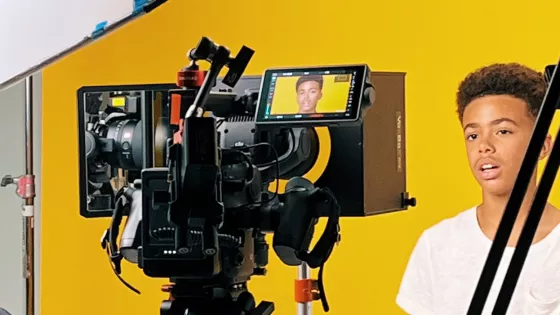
306	290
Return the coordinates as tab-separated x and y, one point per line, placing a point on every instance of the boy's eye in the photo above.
504	132
471	137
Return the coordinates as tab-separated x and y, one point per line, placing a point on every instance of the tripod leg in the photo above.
264	308
245	302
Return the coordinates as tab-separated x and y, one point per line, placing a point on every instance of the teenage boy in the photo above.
309	90
497	107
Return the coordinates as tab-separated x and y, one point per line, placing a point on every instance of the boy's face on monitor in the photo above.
308	94
497	131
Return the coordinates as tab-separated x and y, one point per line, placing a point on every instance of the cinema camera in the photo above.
204	172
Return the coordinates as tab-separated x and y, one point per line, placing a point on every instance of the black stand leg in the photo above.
264	308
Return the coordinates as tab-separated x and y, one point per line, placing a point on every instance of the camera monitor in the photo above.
316	95
113	122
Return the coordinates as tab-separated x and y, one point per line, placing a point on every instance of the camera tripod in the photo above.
213	300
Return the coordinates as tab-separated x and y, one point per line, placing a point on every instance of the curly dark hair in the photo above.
511	79
310	77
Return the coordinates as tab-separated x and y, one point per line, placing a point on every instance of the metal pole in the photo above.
28	208
304	272
26	190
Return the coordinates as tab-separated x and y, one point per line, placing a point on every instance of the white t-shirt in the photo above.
446	264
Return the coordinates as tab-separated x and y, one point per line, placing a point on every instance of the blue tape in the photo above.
99	29
139	5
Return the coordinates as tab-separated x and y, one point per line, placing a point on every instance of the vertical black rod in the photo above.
540	131
28	209
147	117
529	229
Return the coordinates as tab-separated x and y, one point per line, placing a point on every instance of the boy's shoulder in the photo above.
463	224
463	219
439	252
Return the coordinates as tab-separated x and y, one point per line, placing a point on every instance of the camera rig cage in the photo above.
204	178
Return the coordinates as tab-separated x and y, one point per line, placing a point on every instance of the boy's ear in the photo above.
545	151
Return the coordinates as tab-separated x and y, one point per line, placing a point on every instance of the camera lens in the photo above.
127	140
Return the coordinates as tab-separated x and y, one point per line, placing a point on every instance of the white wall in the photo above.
49	27
12	162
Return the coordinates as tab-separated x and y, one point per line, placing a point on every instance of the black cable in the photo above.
292	151
113	231
118	275
219	123
277	166
321	287
245	157
109	241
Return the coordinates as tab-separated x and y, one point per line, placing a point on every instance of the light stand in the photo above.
304	274
26	183
544	119
26	190
29	202
308	290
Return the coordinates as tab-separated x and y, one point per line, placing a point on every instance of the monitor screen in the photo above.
325	94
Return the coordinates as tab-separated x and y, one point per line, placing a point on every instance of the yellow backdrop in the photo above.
435	42
335	96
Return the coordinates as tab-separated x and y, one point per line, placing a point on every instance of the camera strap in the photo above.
109	239
322	250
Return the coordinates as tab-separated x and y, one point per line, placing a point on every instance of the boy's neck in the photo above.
492	208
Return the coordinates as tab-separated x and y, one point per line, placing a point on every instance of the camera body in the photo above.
207	170
242	250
